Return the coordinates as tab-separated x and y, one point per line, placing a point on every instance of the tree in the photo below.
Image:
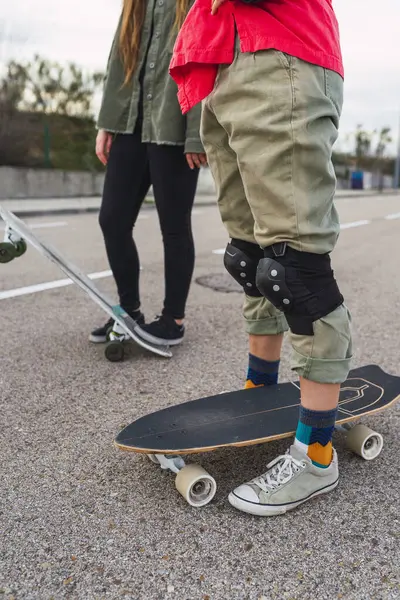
46	115
363	140
45	86
384	138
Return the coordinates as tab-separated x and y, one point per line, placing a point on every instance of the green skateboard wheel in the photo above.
114	352
7	252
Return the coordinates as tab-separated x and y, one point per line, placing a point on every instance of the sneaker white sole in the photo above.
155	340
270	510
97	339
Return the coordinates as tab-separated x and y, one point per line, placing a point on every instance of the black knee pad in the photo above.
241	260
300	284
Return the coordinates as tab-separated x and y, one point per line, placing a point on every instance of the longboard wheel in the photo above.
114	352
364	441
7	252
195	485
20	248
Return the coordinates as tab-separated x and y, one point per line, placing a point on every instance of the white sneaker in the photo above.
290	480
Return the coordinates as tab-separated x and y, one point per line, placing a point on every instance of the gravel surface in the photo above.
81	520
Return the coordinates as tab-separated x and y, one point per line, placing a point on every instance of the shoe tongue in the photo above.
297	453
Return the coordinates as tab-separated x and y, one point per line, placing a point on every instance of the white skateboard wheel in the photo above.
365	442
195	485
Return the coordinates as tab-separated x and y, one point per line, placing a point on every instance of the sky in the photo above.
81	31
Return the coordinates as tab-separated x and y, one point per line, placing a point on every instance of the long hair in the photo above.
133	14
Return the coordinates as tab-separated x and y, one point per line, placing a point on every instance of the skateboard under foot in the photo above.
247	417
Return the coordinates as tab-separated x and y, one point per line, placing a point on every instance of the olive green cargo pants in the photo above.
268	128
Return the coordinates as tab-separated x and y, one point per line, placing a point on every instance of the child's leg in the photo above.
282	117
264	323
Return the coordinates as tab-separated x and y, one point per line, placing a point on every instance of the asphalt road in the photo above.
80	519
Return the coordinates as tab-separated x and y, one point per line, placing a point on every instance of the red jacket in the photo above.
307	29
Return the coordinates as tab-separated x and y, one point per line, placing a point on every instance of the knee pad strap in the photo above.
300	284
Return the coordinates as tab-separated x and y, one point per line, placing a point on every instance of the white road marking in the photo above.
49	285
44	225
219	251
392	216
354	224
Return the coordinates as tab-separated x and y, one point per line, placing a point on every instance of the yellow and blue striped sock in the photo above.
314	435
261	372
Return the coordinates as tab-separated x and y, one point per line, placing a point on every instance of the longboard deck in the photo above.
252	416
83	282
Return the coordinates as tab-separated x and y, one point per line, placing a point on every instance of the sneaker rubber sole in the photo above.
270	510
155	340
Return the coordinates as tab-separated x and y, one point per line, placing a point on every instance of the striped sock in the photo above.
261	372
314	435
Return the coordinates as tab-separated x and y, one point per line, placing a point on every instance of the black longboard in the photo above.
250	416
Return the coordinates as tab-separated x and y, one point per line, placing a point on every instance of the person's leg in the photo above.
285	164
174	186
264	323
126	183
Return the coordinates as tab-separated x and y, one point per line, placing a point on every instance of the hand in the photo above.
215	4
103	145
195	159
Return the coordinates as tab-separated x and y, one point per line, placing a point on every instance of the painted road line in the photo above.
49	285
44	225
392	217
48	225
354	224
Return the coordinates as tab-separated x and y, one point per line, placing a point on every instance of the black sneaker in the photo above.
162	331
100	335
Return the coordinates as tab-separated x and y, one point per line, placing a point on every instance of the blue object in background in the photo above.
357	180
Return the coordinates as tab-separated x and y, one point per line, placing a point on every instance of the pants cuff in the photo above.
321	370
269	326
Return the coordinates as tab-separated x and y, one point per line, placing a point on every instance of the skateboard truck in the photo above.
12	247
114	350
192	481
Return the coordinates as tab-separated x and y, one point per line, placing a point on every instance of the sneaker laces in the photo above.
279	472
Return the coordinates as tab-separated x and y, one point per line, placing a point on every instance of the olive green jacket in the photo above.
163	122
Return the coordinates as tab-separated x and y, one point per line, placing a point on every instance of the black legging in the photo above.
132	167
